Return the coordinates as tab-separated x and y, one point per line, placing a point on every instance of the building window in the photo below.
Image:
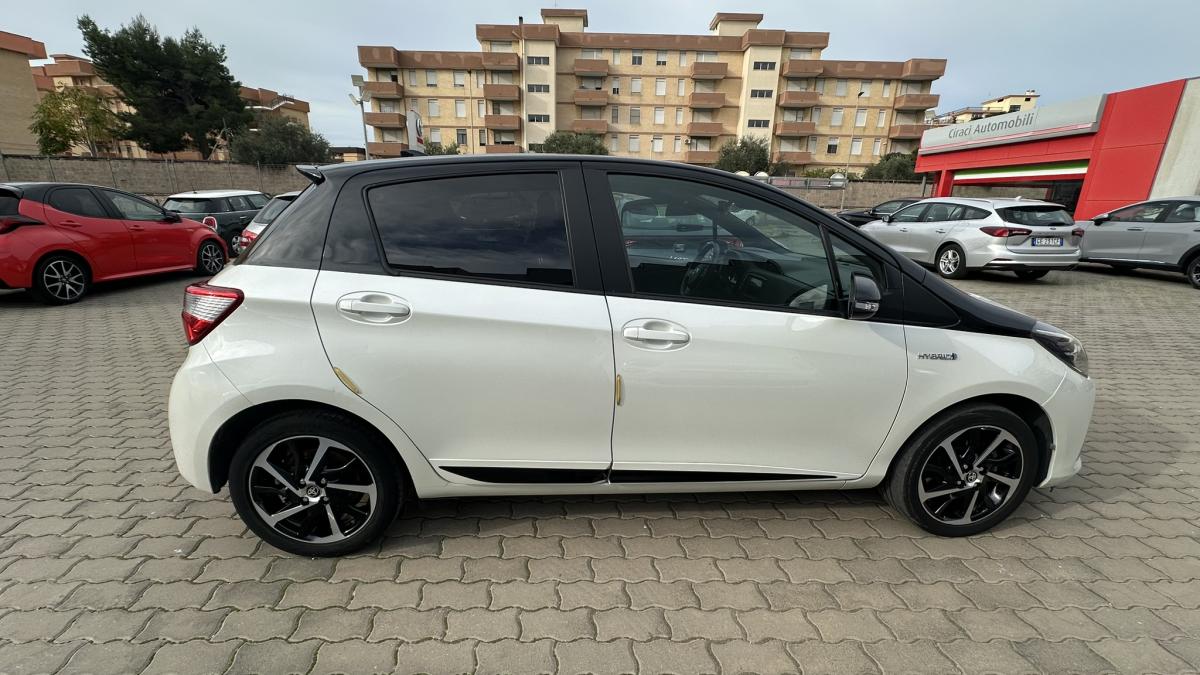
592	83
764	65
460	136
706	57
613	143
616	85
660	86
887	88
660	57
656	144
835	120
819	85
460	108
534	117
864	87
660	115
679	116
760	93
616	114
855	146
860	117
537	60
388	105
590	54
480	78
635	85
759	124
682	57
435	109
812	144
502	45
591	113
882	119
480	108
840	89
537	147
616	57
412	78
635	57
800	53
875	146
482	137
1014	107
635	143
816	115
460	78
431	78
635	115
680	87
435	135
538	88
701	144
832	147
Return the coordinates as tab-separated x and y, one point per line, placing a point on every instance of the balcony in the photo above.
802	68
700	156
502	122
386	148
798	99
503	149
906	131
591	67
502	92
384	89
916	101
706	100
705	129
591	97
923	69
791	129
501	61
589	126
792	156
391	120
708	70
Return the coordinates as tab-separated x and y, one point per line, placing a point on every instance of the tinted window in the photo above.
1184	212
972	213
690	240
239	203
188	205
1140	213
1045	214
79	201
272	210
132	208
941	212
257	201
509	227
9	204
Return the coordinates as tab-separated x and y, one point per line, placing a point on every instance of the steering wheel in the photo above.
713	256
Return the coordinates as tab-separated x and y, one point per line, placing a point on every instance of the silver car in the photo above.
1158	234
957	235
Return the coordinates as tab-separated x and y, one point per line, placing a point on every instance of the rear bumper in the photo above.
202	399
999	256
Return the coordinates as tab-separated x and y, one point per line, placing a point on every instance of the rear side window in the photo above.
1184	212
240	203
508	227
188	205
9	204
1036	215
77	201
257	201
940	212
272	211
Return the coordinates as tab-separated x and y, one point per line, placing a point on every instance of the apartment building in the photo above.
18	98
67	70
674	97
990	108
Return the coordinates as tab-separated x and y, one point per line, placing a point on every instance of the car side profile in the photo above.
57	239
960	235
860	217
434	327
231	210
1157	234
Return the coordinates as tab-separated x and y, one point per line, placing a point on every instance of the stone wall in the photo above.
859	194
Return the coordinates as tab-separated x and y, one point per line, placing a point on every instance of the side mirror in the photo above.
171	216
887	217
864	297
1101	219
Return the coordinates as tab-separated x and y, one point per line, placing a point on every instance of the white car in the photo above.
958	235
262	219
464	326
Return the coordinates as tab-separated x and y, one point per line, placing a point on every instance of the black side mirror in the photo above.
864	297
171	216
887	217
1101	219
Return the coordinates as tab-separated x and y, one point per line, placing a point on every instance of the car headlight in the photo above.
1063	345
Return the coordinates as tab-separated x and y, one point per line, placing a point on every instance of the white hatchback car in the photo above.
958	235
455	326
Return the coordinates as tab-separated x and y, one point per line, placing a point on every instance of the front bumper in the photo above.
1070	412
202	399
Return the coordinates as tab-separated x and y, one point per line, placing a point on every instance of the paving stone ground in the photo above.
110	563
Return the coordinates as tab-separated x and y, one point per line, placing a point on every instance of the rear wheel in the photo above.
1030	275
951	263
210	258
966	471
61	279
1192	270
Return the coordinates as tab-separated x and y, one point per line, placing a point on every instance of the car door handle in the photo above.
70	223
370	307
904	229
1134	229
939	231
655	334
651	335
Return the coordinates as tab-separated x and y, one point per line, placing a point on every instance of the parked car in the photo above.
959	235
261	219
860	217
1157	234
230	209
476	325
57	239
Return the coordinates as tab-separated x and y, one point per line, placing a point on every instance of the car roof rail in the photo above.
311	172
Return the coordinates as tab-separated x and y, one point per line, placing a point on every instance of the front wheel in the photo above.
965	471
951	263
1030	275
1192	270
210	258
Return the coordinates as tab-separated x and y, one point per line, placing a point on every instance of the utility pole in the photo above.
361	102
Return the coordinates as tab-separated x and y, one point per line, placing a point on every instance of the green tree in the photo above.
279	140
181	93
73	116
894	166
439	149
571	143
748	153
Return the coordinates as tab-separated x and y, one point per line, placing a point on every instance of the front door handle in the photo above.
904	229
652	335
655	334
70	223
940	231
372	307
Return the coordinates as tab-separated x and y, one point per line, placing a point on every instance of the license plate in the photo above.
1047	241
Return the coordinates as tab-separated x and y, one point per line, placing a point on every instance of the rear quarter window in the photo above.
9	204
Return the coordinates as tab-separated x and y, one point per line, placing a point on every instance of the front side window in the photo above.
508	227
909	215
1139	213
77	201
687	240
850	260
132	208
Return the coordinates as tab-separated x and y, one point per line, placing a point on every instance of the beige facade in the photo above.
674	97
18	96
996	106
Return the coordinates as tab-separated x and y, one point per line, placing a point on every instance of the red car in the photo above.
56	239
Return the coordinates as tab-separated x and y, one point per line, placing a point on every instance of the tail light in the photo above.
10	223
210	223
1077	232
205	307
995	231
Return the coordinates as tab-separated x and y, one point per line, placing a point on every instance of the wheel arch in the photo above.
70	253
1188	256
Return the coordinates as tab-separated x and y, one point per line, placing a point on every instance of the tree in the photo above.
180	91
894	166
439	149
279	140
73	116
571	143
748	153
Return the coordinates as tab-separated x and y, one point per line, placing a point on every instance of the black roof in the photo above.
344	170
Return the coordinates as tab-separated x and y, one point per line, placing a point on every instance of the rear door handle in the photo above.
655	334
372	307
70	223
651	335
940	231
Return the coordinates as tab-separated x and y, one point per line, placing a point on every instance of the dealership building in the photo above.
1092	155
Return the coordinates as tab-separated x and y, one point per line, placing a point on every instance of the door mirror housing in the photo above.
1101	219
172	216
864	297
887	217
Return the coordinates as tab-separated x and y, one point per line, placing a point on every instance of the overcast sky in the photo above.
1065	49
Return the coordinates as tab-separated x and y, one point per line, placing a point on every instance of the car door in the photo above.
241	213
931	229
1169	237
158	242
896	231
1120	236
102	236
483	331
738	365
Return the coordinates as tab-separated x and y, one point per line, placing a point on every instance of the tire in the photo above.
210	258
1030	275
61	279
951	263
1192	270
993	487
354	457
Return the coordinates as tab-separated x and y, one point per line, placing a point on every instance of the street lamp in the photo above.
361	101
